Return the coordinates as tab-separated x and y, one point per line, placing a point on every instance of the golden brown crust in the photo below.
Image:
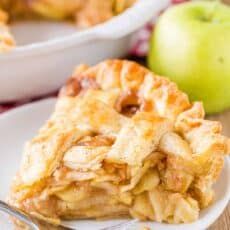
121	135
154	93
6	40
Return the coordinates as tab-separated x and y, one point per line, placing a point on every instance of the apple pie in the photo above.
121	142
6	39
85	13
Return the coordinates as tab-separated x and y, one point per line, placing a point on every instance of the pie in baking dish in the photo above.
121	142
84	13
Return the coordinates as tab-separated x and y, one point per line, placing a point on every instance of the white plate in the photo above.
48	52
21	124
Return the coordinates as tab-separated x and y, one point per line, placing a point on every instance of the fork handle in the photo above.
4	207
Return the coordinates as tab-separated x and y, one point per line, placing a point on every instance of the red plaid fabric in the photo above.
139	49
140	44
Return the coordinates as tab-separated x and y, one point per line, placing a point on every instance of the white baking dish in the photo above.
38	68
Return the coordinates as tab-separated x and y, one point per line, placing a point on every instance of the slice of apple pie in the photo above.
122	142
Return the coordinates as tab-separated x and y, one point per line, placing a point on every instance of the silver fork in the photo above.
33	223
4	207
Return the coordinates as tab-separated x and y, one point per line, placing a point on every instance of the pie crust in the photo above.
122	142
6	39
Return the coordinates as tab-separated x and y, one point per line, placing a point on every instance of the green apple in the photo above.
191	46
